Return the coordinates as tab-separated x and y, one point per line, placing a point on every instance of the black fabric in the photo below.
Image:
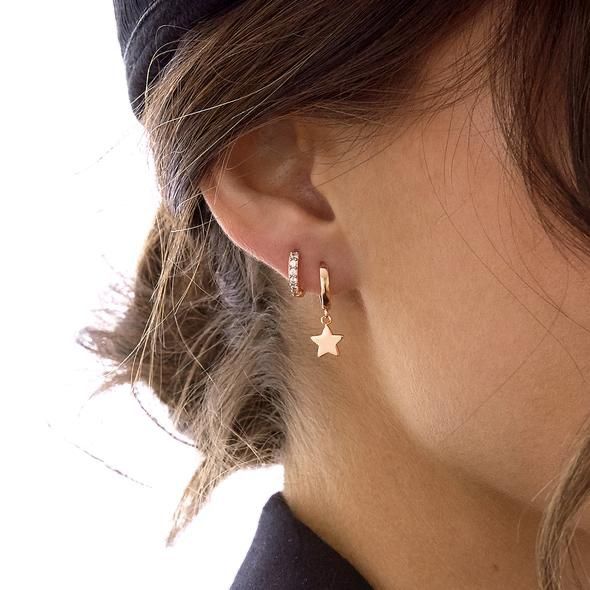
286	554
149	31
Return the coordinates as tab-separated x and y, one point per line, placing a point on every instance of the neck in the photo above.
403	518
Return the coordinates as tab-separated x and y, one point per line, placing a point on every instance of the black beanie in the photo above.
147	27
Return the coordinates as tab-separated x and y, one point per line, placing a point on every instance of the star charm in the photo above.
327	341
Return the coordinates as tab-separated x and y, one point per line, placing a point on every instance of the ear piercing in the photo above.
326	341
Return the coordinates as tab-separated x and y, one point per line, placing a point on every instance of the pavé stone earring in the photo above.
294	274
326	341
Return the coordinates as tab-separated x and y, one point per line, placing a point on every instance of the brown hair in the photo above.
201	323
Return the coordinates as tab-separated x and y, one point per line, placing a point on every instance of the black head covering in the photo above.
147	27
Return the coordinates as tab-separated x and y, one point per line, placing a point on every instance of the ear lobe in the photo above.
263	198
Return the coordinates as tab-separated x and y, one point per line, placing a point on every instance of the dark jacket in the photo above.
287	555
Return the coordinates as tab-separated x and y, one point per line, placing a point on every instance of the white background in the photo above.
77	196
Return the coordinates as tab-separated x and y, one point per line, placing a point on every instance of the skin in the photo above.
426	451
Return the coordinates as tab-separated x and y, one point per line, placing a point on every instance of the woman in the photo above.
423	168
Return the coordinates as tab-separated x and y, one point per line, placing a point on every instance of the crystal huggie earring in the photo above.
326	341
294	274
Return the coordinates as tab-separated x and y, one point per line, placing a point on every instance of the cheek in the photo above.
485	368
479	383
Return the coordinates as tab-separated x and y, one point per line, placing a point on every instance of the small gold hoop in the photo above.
324	287
326	319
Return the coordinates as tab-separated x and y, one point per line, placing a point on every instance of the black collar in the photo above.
287	555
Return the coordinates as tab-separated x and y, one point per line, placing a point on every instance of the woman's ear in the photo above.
264	197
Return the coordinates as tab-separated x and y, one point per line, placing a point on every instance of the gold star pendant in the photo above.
327	341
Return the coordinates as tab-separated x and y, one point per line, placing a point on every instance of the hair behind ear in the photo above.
210	347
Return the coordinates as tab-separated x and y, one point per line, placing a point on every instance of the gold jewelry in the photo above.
326	341
294	274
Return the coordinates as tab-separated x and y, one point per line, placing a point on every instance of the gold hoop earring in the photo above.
326	341
294	274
